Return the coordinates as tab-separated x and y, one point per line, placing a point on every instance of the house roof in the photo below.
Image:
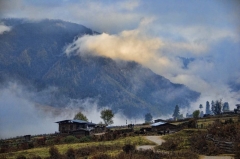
76	121
158	120
158	123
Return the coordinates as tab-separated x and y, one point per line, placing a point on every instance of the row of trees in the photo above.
106	114
216	108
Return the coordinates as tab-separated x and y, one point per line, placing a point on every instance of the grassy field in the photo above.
43	152
205	122
180	140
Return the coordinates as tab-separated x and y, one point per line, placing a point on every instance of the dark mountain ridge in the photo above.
33	54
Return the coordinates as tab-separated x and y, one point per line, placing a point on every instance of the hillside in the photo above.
32	53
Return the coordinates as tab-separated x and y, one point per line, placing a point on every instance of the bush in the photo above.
70	153
40	141
49	142
70	139
85	139
36	157
82	152
21	157
237	146
200	145
3	156
128	148
101	156
57	140
54	153
172	144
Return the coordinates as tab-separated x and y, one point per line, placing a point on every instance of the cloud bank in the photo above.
21	115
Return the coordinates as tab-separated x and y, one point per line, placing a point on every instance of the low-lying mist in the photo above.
21	115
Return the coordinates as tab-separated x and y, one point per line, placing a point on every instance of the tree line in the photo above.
216	108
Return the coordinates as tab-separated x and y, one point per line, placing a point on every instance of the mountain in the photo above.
32	53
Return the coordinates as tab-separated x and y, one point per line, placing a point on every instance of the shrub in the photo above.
57	140
172	144
21	157
128	148
4	149
54	153
237	146
36	157
70	139
101	156
24	146
85	139
49	142
70	153
40	141
200	145
82	152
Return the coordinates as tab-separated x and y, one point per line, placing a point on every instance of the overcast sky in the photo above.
158	34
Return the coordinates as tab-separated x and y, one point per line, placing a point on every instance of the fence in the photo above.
223	145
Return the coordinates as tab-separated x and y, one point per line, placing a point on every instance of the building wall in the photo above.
164	127
67	127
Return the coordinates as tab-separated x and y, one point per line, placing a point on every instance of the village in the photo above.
74	131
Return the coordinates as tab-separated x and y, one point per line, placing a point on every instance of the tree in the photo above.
212	105
176	112
148	118
208	111
200	106
80	116
217	107
225	107
201	114
107	116
196	114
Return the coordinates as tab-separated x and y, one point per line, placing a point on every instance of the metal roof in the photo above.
76	121
158	123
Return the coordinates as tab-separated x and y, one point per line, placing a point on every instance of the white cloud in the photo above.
129	5
4	28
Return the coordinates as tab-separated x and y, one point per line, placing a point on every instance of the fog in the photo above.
4	28
21	115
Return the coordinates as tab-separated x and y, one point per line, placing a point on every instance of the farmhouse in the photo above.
159	120
162	126
76	126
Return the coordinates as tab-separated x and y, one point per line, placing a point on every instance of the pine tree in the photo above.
225	107
148	118
208	111
176	112
217	107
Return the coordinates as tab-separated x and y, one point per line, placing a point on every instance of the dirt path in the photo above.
215	157
156	139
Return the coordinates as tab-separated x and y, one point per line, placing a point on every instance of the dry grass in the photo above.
44	152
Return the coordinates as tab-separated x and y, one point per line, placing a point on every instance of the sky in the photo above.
158	34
